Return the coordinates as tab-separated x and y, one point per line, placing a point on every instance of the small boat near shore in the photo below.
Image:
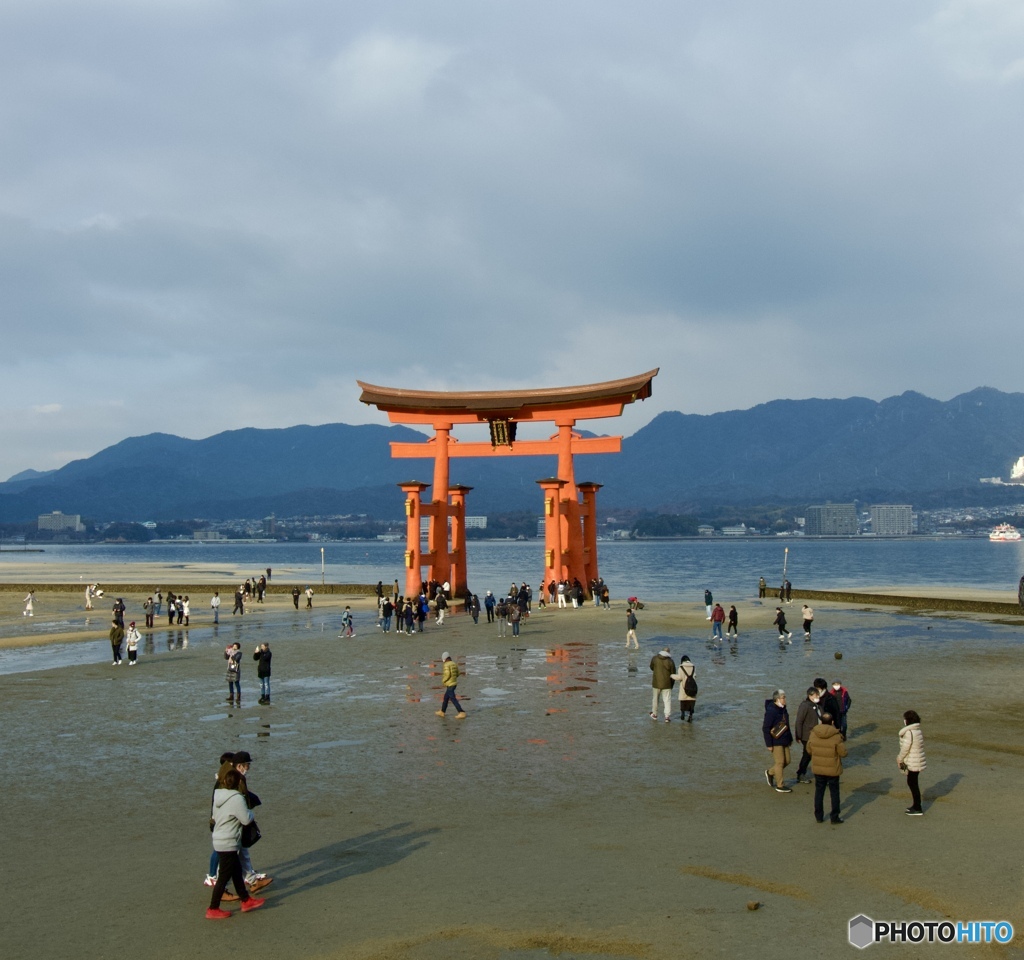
1004	532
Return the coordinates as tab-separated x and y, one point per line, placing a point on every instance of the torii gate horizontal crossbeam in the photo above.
529	448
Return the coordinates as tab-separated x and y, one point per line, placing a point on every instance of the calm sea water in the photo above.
679	569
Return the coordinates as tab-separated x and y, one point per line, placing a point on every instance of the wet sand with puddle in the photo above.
555	820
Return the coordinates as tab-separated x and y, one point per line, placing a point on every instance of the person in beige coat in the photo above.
827	750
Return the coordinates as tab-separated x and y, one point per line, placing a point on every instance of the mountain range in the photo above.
909	449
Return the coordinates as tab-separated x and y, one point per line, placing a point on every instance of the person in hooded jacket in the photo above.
230	814
827	750
778	737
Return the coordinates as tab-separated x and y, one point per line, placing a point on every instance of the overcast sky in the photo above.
217	214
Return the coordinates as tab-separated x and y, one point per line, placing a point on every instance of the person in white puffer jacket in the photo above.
911	759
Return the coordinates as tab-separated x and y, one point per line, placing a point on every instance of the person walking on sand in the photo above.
450	679
732	628
708	600
808	615
116	639
346	623
215	606
777	738
309	597
230	814
631	623
295	596
185	610
762	588
717	619
780	622
502	616
687	688
29	601
239	607
827	750
441	605
262	656
131	641
147	609
662	668
911	759
88	596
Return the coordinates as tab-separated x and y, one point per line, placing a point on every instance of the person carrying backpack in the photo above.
687	688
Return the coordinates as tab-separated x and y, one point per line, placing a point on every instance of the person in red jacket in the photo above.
717	619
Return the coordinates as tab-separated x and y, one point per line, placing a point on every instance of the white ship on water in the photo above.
1004	532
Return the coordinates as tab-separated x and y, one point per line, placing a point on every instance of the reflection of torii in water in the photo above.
570	529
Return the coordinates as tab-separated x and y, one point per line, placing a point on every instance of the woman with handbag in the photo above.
778	737
911	759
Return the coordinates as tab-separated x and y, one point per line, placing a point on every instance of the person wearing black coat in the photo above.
262	655
828	703
778	737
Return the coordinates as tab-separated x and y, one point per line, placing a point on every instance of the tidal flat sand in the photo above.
556	820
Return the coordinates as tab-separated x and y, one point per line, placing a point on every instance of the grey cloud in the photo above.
244	207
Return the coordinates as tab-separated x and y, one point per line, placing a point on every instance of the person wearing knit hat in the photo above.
450	678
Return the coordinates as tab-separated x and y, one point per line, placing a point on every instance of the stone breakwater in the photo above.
951	604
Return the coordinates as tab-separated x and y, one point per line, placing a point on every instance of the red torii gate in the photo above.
570	529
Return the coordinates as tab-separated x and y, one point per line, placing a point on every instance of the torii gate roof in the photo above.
587	400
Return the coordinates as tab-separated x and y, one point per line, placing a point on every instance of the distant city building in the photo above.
831	520
58	522
480	523
269	526
207	535
892	519
735	530
705	530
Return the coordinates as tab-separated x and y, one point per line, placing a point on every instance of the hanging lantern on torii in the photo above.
570	529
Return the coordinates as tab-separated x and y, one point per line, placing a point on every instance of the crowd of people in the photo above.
821	730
